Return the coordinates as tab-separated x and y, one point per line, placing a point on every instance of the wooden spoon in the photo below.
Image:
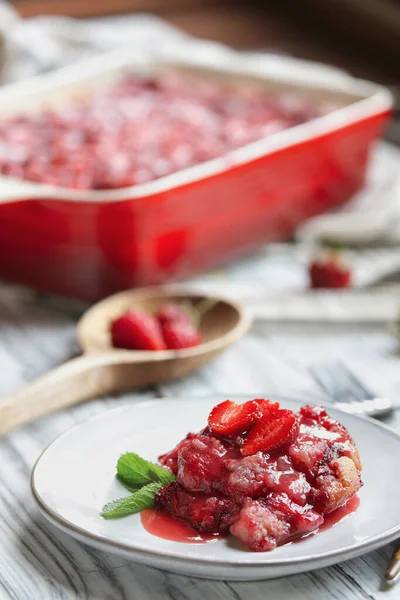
103	369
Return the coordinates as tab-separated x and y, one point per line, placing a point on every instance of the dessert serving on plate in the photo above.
265	474
307	477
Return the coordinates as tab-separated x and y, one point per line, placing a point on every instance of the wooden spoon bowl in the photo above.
103	369
220	321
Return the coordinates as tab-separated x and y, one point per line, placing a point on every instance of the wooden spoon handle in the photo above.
73	382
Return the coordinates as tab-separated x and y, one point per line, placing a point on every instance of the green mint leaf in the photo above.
130	505
160	474
131	487
136	471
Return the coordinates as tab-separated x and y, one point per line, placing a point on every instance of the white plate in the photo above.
74	477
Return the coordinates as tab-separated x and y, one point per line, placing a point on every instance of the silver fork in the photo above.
346	392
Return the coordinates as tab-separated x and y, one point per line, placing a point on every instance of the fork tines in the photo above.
340	383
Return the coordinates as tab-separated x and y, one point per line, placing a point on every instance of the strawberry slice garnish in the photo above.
137	330
229	417
271	432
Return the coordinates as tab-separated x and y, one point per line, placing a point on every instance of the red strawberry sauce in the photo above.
337	516
163	525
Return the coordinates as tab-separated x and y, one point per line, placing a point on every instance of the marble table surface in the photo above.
37	562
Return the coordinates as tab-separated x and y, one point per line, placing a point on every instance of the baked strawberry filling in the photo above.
265	474
140	129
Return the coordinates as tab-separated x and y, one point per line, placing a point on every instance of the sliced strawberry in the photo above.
178	335
170	313
271	433
137	330
265	407
229	417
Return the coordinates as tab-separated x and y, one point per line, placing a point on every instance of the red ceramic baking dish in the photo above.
87	244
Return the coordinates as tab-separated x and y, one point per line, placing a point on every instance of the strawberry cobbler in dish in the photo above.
265	474
141	129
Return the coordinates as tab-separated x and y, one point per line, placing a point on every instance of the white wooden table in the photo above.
39	563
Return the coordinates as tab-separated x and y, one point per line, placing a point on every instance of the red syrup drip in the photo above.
164	525
334	518
338	515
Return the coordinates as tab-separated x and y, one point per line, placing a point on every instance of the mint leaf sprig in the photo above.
141	477
140	500
136	471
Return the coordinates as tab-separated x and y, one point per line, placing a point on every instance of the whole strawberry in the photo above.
137	330
329	272
180	334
